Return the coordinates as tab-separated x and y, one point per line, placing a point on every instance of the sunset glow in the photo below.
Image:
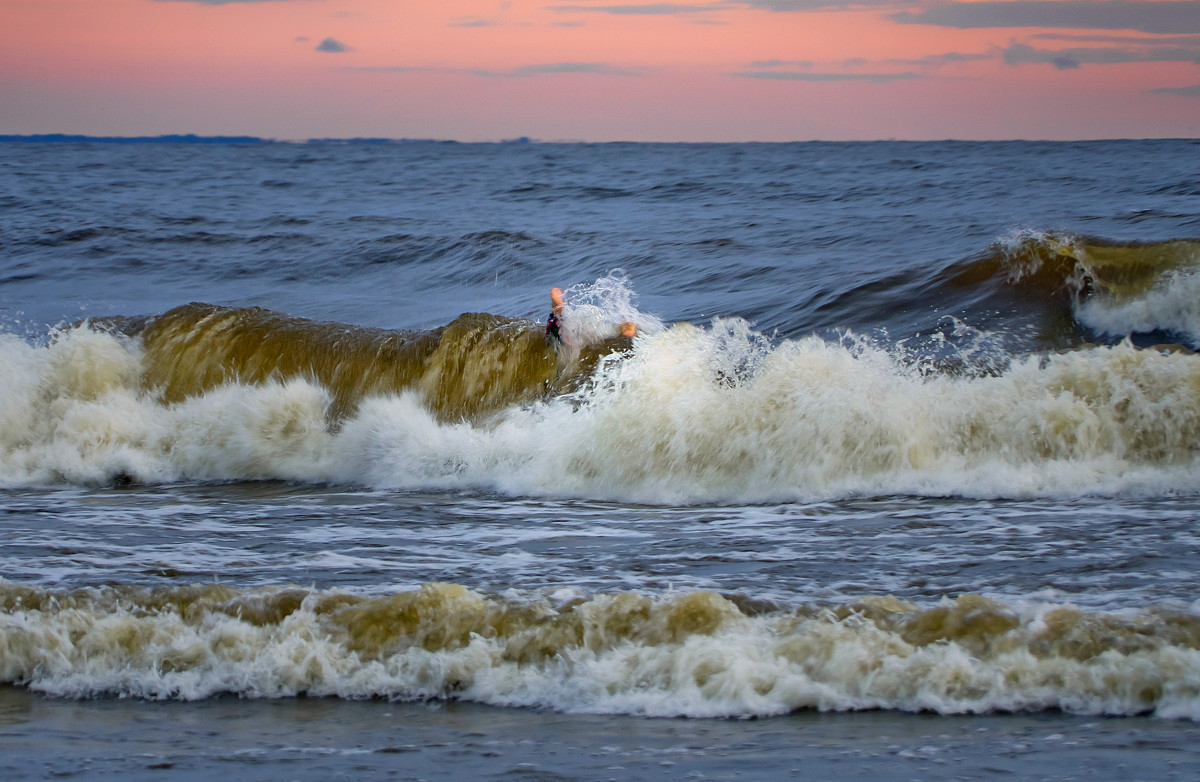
596	70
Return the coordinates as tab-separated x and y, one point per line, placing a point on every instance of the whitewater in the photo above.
902	460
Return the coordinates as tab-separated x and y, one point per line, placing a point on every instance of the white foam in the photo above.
695	414
594	311
632	658
1171	305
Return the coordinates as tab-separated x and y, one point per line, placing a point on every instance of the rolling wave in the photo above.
699	654
690	414
1110	290
678	414
473	366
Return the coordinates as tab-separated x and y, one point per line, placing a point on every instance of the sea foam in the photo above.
693	654
716	413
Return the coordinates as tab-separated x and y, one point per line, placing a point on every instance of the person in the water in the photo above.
554	327
553	324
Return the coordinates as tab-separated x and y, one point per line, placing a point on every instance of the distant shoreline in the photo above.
191	138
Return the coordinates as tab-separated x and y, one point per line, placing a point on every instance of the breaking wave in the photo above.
678	414
1112	289
698	654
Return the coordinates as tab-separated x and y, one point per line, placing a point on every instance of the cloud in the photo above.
332	46
803	76
1129	49
1165	17
488	20
782	64
479	21
801	70
523	72
1158	40
720	6
1066	59
948	58
394	69
1185	92
653	9
220	2
555	68
808	5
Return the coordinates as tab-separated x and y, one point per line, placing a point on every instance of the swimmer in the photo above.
553	326
554	331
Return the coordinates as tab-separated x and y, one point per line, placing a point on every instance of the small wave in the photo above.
59	237
1115	289
695	654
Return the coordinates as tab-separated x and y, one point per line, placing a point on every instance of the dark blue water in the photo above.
794	237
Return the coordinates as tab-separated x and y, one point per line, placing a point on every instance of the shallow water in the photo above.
1097	553
334	739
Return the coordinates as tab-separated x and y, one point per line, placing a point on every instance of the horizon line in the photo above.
193	138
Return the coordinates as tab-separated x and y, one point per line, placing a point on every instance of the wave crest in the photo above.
689	414
1116	289
693	654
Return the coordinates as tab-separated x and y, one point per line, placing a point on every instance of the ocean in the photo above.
899	477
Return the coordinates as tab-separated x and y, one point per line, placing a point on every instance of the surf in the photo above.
682	413
694	653
717	413
473	366
1092	288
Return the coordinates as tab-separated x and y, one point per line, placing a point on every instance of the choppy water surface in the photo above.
908	431
1097	553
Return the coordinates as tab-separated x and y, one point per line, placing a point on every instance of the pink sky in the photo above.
603	70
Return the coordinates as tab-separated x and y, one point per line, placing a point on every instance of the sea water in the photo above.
902	462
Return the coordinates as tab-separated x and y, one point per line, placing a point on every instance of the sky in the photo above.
603	70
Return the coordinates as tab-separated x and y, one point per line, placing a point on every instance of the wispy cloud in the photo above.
394	69
332	46
1164	17
1185	92
782	64
652	9
1161	17
523	72
849	69
221	2
476	22
718	6
810	5
1180	48
1158	40
946	58
825	76
1065	59
499	19
556	68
